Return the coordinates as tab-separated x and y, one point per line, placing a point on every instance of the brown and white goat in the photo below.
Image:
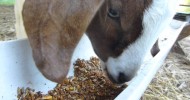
122	32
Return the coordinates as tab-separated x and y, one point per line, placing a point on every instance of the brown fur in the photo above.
54	28
110	37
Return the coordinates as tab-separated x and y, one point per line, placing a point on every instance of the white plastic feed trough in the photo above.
17	68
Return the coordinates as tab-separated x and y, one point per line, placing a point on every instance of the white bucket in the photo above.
17	68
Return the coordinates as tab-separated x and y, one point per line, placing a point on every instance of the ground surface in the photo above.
171	82
7	20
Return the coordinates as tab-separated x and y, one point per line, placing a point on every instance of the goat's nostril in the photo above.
122	78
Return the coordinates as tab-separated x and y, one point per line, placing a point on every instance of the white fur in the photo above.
155	18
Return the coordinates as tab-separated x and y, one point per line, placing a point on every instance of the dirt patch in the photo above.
7	22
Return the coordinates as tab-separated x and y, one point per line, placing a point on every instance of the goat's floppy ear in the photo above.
54	28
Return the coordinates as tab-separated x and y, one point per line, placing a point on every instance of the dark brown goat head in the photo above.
122	32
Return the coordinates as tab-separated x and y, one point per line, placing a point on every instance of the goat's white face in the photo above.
124	31
121	32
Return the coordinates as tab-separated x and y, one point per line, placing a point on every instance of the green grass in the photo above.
7	2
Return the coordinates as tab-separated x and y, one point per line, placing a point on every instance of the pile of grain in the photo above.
88	83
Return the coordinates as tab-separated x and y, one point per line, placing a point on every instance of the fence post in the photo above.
20	30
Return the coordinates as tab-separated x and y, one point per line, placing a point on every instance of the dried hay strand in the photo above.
172	82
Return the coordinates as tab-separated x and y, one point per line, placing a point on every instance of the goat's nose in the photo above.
122	78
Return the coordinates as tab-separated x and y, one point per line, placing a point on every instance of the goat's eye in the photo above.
114	14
